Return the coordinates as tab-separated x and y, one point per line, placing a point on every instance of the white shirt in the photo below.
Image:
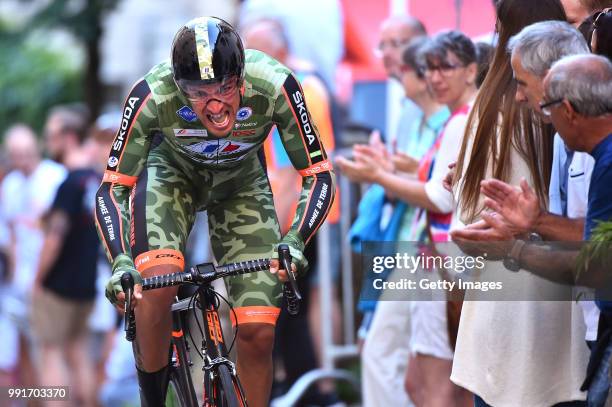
24	201
579	179
521	353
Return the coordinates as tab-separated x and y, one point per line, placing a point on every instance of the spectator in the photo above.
395	33
585	128
269	36
65	130
597	29
484	54
576	11
533	51
386	348
581	87
507	141
297	17
64	287
26	193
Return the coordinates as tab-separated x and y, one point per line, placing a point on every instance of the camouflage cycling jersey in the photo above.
163	167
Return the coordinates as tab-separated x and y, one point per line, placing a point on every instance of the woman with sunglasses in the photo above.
597	30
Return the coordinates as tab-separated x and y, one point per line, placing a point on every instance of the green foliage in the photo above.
597	251
33	79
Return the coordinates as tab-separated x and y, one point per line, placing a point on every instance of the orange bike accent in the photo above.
214	327
177	334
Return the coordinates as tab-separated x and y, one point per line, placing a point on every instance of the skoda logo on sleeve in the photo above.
113	161
244	113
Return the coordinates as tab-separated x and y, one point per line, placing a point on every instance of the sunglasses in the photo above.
598	15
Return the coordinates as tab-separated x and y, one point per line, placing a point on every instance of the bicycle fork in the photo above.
215	351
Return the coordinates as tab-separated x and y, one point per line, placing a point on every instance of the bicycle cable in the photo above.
235	319
195	316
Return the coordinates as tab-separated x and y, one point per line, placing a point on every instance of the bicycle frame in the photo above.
214	349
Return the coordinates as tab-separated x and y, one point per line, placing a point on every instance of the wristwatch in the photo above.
513	260
535	237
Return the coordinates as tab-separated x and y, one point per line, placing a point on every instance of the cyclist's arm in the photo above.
126	160
307	154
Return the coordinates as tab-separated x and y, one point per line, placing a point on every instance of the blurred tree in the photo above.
33	79
83	18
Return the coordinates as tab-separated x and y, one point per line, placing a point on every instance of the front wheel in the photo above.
226	389
175	396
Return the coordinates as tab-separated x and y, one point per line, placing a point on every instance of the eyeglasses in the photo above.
598	15
445	69
196	92
545	106
393	43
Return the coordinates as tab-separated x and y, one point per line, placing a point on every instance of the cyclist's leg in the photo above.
163	213
243	226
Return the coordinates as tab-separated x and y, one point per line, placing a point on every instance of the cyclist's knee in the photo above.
162	298
256	338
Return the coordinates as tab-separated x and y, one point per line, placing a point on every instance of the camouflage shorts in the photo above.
241	216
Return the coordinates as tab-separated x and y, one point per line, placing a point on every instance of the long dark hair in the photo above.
498	122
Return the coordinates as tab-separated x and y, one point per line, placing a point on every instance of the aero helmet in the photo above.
206	50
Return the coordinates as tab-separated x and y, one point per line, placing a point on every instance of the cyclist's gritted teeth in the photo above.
218	117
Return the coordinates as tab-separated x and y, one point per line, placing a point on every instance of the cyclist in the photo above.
191	139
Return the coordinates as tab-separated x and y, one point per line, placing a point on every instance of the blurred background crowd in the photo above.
391	86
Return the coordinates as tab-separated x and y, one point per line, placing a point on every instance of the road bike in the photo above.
221	385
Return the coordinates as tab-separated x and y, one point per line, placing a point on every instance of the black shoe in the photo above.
153	387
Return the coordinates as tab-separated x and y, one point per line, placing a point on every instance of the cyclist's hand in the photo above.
114	291
282	273
299	264
121	298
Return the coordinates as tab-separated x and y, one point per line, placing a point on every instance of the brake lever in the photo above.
129	320
284	256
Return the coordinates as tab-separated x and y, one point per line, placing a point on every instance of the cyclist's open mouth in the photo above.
220	120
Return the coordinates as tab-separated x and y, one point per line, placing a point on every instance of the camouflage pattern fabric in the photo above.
241	215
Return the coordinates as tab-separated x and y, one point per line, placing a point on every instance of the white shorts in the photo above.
429	329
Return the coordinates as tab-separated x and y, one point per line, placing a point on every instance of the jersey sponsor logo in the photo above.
187	114
134	102
213	149
319	205
107	219
244	113
317	168
200	133
113	161
295	97
248	124
244	133
126	121
298	98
